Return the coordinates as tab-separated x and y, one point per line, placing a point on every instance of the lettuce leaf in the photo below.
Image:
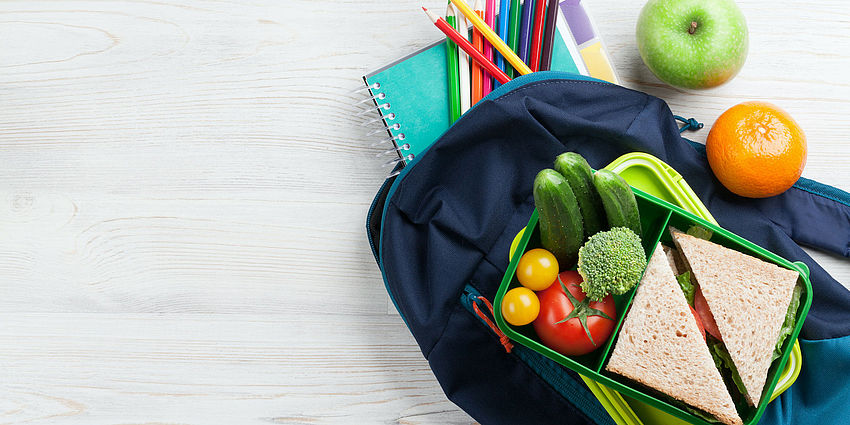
688	288
700	232
790	321
698	413
723	360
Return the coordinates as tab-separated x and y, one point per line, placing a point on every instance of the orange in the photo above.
756	150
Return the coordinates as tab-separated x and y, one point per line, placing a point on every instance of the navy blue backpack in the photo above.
441	230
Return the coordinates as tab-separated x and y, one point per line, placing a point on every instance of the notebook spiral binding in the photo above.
374	102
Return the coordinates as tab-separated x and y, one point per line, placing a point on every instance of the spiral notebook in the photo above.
411	94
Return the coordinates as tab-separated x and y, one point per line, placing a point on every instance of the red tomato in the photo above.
570	337
699	323
701	306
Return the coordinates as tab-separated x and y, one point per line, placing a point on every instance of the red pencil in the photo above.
464	44
536	36
489	52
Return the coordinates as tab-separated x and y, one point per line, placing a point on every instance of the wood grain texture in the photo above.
183	191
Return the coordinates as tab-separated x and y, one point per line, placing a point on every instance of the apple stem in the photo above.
693	28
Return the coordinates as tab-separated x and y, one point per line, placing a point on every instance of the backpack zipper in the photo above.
369	220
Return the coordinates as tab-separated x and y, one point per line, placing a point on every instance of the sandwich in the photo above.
753	304
660	345
709	343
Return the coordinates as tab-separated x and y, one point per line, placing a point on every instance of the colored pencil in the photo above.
537	36
477	72
463	68
464	44
504	12
525	29
513	32
490	19
451	68
494	39
549	36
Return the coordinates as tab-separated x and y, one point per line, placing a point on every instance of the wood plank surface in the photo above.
184	186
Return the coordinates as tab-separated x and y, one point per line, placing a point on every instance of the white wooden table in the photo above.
183	190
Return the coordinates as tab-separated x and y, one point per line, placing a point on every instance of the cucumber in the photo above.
559	217
577	171
618	200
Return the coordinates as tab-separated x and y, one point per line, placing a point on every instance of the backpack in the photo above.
441	229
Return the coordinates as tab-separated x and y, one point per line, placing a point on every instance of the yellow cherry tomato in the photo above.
520	306
537	269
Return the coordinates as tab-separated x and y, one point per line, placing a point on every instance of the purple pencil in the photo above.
525	30
549	36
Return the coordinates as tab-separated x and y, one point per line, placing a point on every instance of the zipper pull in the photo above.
506	342
690	124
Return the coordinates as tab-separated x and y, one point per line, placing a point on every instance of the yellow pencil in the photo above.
492	37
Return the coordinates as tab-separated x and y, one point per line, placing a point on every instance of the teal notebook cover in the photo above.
416	90
411	93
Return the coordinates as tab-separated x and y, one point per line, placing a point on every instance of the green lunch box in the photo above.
664	198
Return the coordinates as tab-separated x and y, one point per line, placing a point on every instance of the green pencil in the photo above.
513	31
451	68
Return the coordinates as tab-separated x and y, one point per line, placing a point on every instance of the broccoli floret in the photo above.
611	262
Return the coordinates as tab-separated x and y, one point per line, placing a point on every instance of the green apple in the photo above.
692	43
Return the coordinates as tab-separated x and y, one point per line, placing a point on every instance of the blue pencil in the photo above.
504	20
525	31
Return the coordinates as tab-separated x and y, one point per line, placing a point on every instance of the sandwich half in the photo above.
661	346
749	301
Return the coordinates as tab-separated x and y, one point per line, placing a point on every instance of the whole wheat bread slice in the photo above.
675	260
748	298
661	346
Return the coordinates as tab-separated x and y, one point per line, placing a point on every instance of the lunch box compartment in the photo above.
653	221
656	216
653	217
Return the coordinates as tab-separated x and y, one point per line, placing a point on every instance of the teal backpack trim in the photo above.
824	190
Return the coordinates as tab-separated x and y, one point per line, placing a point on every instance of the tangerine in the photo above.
756	150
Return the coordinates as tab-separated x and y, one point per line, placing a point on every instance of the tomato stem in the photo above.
581	311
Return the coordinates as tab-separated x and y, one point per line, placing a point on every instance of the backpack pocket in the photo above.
564	381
